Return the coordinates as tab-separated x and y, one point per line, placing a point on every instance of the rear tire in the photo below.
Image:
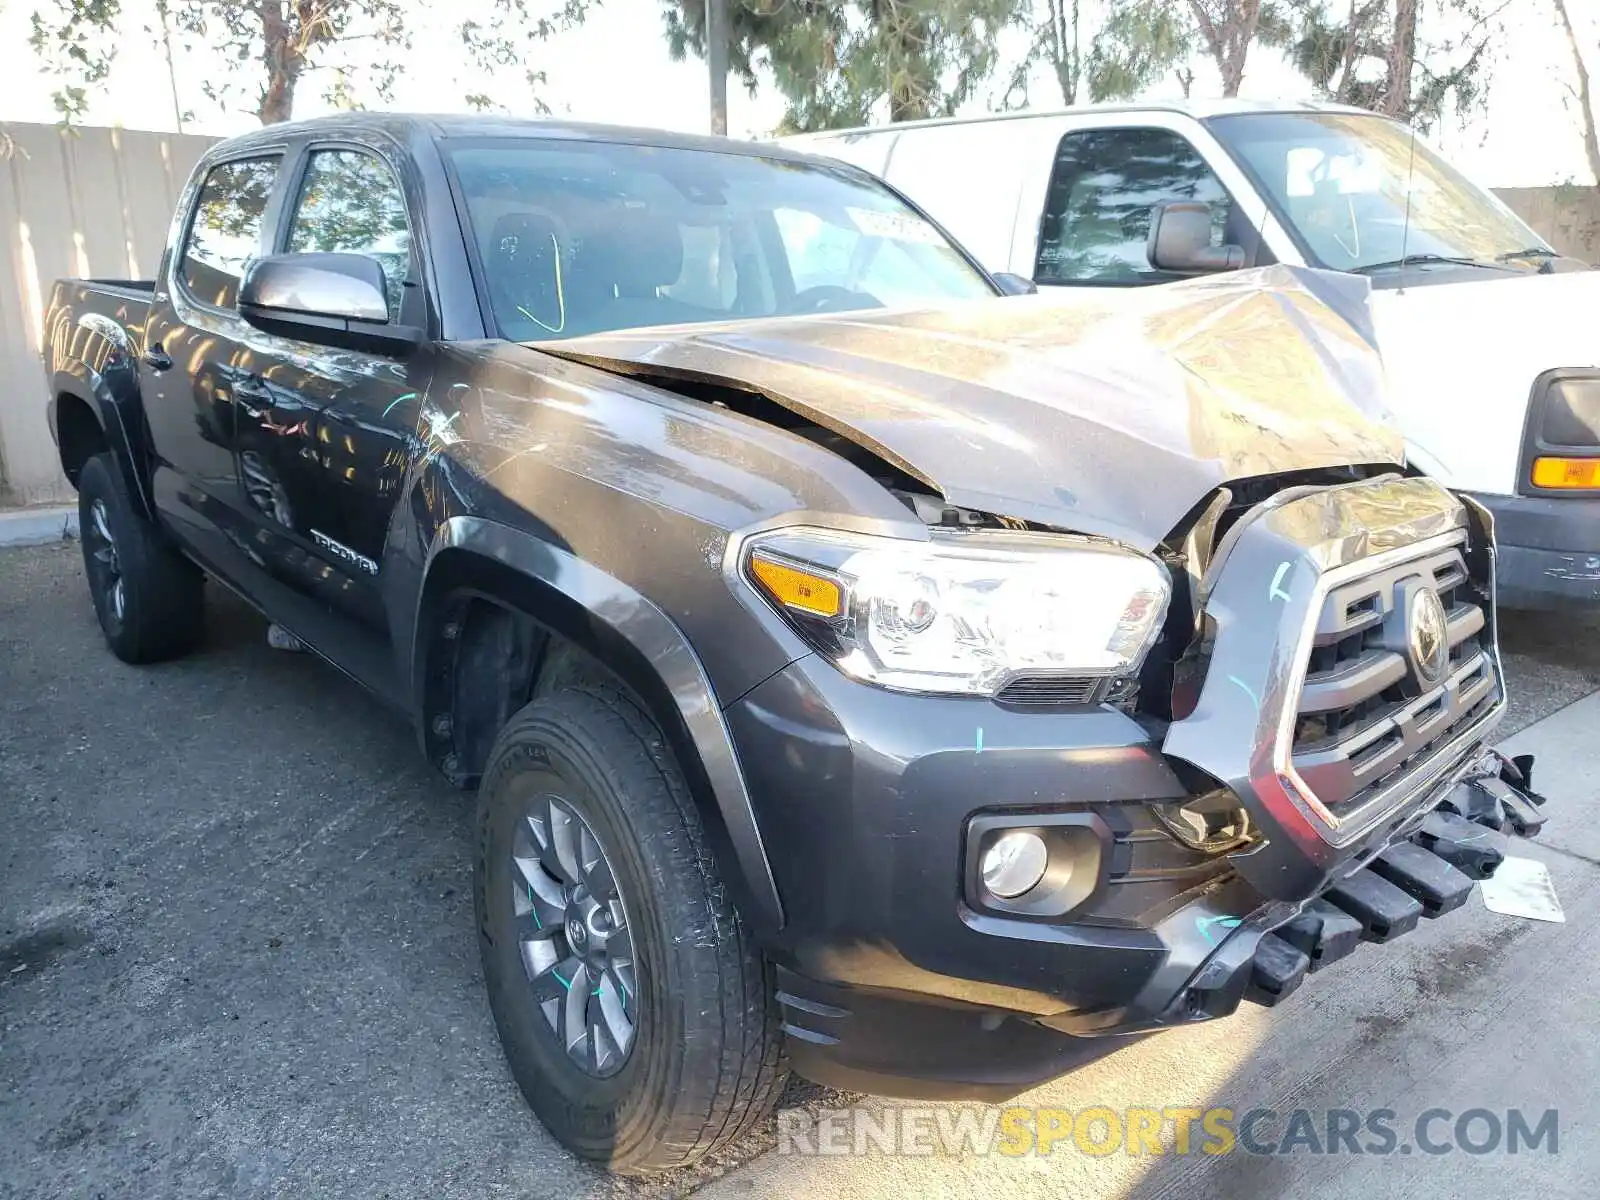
704	1051
150	600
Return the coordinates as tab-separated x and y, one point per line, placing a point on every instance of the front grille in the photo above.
1366	717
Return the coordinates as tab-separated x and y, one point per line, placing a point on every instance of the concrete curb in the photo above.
37	526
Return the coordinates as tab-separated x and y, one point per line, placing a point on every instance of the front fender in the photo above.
646	649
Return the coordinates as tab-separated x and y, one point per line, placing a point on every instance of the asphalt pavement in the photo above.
236	956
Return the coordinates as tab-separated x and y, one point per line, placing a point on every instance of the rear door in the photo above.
197	351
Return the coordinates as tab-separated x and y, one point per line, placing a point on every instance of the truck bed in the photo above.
78	306
127	289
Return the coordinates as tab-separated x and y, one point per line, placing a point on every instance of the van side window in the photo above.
226	231
1097	212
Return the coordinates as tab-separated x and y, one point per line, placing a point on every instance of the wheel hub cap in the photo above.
572	930
102	546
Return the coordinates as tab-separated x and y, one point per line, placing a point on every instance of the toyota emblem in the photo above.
1428	636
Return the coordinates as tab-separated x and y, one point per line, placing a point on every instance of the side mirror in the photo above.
1011	284
1180	240
338	299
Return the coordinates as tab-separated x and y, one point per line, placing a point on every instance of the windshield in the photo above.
1339	181
585	237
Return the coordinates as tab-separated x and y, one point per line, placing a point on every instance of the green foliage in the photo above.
839	64
1108	51
66	36
1140	42
508	37
1363	55
271	45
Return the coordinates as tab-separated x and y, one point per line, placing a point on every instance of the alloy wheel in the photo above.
108	566
572	931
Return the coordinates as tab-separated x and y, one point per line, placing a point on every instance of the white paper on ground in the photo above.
1522	887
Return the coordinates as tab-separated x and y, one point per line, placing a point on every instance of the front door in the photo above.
1103	184
324	433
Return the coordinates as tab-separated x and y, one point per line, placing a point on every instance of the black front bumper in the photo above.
893	981
1547	549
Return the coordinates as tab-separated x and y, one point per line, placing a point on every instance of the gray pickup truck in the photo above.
859	667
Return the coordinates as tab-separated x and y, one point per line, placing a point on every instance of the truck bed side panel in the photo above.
94	334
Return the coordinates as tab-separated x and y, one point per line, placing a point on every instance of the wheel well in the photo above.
485	657
79	433
490	638
484	660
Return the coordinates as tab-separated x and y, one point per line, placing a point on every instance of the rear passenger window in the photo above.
1097	213
226	231
351	203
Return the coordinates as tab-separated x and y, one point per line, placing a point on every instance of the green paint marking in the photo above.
564	983
399	400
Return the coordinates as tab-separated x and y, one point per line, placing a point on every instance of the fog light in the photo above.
1014	863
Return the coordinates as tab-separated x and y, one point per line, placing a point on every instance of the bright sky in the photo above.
616	69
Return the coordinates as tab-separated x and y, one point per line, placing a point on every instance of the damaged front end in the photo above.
1342	684
1274	745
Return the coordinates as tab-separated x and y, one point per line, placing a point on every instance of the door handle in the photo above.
157	359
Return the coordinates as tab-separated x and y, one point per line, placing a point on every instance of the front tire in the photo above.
592	866
149	599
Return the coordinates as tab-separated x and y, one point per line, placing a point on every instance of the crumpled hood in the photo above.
1109	411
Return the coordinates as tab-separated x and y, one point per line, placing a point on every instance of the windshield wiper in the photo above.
1530	252
1546	256
1412	260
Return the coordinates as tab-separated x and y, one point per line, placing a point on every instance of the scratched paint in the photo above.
1276	592
1246	689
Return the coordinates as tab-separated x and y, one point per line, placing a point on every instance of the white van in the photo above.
1491	340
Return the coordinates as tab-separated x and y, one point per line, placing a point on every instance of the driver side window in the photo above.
350	202
1097	212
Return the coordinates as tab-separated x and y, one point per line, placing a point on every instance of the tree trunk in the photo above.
281	55
172	73
1062	45
1244	18
1228	36
1401	57
908	66
717	62
1591	138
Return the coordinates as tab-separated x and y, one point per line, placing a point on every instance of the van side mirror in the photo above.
336	299
1180	240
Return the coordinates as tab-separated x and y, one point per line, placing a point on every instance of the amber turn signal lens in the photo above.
1576	473
800	590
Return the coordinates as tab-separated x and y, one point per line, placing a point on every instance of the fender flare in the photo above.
634	638
77	379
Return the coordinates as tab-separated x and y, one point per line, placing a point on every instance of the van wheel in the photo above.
150	599
636	1015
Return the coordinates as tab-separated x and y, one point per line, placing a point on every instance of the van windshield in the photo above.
1338	180
576	237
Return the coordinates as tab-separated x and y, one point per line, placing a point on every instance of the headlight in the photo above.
1571	414
963	613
